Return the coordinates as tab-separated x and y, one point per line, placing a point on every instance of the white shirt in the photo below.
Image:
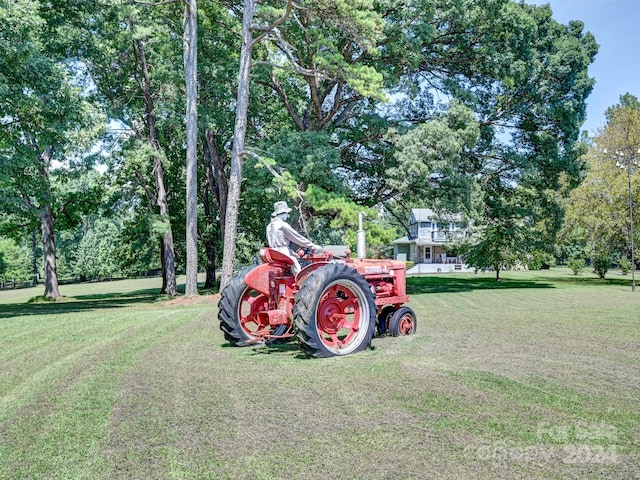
280	233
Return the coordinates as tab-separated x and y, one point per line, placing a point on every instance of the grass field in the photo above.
537	376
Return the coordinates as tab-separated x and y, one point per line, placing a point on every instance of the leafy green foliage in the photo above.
48	122
137	251
336	222
509	136
570	244
597	212
15	261
624	264
601	263
492	248
593	211
485	102
576	265
96	255
325	210
434	160
539	260
336	33
514	84
76	195
248	244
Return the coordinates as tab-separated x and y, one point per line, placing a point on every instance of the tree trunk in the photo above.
163	289
34	251
240	130
210	279
216	175
51	289
215	199
191	73
209	241
168	255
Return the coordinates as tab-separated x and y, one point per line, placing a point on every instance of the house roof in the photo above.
402	241
421	214
415	241
428	215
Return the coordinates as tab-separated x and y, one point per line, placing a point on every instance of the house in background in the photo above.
426	243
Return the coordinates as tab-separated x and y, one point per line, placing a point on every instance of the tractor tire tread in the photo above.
306	302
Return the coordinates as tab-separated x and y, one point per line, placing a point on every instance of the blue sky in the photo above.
617	66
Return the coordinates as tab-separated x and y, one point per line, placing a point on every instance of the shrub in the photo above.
625	265
15	261
601	263
538	260
576	265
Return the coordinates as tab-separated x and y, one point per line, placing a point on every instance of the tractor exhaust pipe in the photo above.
361	239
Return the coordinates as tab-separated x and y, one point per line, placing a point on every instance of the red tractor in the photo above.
333	305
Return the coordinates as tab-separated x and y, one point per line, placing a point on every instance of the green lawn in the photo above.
537	376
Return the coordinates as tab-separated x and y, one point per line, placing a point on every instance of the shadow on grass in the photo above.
277	348
589	281
82	303
286	348
446	284
455	283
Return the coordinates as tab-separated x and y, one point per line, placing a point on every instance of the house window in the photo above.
425	225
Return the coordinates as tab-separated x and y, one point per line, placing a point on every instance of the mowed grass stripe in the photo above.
51	346
266	410
68	387
496	369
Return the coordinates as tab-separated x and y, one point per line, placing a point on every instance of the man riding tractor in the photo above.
280	234
331	304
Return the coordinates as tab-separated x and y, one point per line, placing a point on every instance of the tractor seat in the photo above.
269	255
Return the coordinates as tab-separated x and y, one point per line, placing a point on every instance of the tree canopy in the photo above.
459	105
597	212
487	101
47	122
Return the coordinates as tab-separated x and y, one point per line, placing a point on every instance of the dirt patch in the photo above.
192	300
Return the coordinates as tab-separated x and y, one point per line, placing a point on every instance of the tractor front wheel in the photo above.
402	322
334	312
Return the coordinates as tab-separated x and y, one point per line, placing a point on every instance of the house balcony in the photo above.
438	236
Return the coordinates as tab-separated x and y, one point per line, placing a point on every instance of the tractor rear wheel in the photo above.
402	322
238	310
334	312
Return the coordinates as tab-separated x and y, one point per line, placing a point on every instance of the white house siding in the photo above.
426	233
425	268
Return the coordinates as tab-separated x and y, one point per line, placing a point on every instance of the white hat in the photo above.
280	207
